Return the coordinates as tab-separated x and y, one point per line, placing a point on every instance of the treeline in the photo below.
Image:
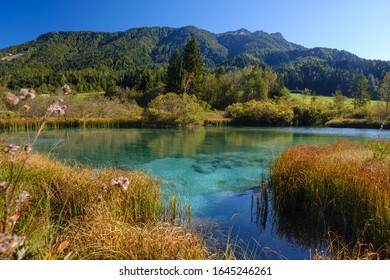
46	81
324	77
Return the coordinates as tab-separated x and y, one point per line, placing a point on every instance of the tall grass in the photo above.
17	124
347	184
338	249
79	213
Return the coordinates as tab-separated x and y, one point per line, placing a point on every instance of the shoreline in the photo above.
137	122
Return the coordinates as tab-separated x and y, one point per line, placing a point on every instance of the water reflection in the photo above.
300	229
173	143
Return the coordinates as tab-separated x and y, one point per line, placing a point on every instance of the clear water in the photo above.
217	170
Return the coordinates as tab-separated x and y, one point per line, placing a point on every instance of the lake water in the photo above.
217	170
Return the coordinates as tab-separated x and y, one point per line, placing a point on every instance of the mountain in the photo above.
143	46
56	53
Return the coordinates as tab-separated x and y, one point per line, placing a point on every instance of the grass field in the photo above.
327	99
85	95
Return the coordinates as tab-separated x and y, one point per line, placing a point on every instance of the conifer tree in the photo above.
193	69
175	73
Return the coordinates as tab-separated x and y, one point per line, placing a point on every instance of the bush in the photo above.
174	110
314	113
261	113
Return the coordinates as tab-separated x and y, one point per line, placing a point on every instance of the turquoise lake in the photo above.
217	170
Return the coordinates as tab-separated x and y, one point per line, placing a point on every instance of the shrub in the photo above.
261	113
315	113
174	110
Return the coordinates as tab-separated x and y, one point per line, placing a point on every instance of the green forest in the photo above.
91	61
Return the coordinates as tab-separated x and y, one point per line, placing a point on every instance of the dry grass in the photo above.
34	123
345	183
360	250
100	236
76	213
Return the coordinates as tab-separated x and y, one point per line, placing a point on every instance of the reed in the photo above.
81	213
357	123
347	184
18	124
337	249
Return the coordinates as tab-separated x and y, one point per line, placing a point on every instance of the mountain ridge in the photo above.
168	36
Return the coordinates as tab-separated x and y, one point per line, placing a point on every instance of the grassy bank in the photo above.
357	123
345	184
80	213
34	123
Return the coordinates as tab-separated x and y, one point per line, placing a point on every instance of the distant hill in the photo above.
57	52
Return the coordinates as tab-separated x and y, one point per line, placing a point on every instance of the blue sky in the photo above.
360	27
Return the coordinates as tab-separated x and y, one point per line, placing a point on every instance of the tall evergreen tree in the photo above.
193	68
175	73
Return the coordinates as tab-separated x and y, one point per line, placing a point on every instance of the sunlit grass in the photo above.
328	99
346	184
17	124
76	213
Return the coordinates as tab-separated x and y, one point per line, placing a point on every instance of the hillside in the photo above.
52	55
144	46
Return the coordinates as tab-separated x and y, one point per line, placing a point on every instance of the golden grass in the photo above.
35	123
75	213
337	249
100	236
346	183
357	123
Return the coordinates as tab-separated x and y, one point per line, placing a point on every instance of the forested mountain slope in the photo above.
97	57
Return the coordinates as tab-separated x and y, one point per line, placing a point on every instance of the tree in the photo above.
385	91
254	85
175	73
373	87
360	90
339	100
193	68
111	90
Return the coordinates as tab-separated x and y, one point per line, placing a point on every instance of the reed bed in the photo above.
346	184
81	213
358	123
17	124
